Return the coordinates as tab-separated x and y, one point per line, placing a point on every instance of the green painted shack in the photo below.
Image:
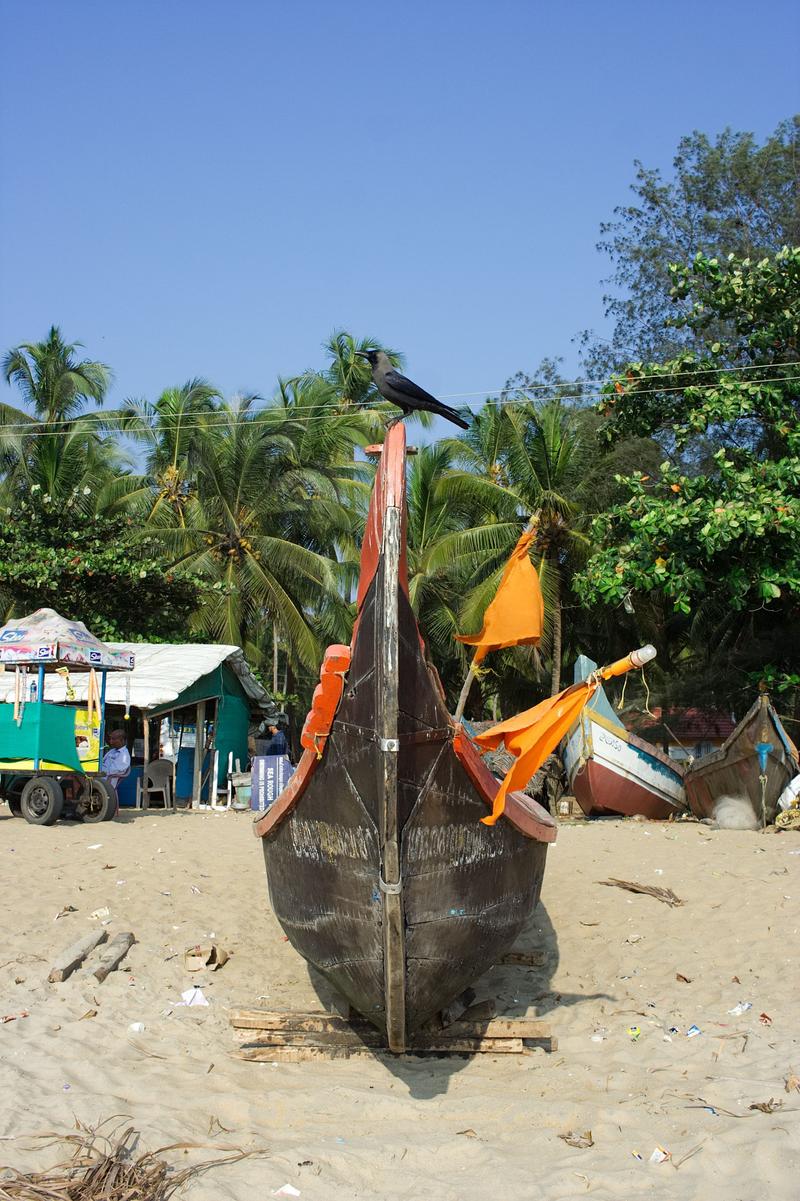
190	703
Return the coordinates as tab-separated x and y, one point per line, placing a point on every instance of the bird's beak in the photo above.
362	354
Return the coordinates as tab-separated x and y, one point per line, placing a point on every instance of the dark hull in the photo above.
734	769
379	869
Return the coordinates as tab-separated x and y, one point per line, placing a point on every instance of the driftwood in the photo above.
298	1036
74	956
105	1165
114	953
650	890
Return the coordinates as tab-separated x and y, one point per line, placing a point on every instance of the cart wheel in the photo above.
13	790
97	802
41	801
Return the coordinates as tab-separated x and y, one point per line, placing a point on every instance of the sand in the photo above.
437	1130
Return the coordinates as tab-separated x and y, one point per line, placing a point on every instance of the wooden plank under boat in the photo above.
734	770
379	868
611	770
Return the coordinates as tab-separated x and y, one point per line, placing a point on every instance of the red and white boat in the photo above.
611	770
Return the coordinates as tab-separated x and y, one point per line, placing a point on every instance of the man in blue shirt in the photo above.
277	744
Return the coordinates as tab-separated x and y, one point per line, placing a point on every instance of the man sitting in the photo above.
117	759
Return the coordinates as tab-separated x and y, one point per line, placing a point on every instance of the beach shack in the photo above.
684	734
186	705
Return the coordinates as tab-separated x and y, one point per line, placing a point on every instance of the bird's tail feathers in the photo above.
451	415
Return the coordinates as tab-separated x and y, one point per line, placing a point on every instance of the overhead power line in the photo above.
296	414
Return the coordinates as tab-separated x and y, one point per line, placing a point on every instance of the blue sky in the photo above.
196	188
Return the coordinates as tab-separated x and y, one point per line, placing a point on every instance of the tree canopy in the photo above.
716	532
726	195
668	513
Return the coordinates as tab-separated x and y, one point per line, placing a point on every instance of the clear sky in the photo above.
210	188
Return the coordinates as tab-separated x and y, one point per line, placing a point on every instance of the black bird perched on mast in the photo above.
403	392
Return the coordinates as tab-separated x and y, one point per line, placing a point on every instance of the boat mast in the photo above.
387	680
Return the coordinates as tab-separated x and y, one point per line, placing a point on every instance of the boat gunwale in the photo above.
634	740
720	754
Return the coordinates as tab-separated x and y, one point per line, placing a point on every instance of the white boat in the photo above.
611	770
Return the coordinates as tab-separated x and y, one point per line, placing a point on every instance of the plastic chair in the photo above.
156	779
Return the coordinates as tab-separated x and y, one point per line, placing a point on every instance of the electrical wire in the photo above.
556	393
273	415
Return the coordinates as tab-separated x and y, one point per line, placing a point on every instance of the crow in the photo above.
403	392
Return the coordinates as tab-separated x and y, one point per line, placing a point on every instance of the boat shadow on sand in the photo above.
519	986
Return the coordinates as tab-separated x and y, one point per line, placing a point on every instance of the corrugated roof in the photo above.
688	725
161	673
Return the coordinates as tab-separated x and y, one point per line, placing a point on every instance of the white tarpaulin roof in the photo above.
161	673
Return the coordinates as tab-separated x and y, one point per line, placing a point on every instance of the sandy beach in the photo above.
448	1130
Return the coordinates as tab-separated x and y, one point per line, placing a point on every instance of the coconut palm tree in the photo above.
527	462
231	530
171	429
51	444
452	540
53	383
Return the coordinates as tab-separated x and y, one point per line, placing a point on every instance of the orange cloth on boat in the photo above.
516	615
531	736
325	702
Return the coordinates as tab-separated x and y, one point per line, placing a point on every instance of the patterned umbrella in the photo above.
46	637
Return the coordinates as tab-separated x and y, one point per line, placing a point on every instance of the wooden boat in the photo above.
738	770
379	868
612	771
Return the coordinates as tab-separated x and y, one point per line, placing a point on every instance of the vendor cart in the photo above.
51	749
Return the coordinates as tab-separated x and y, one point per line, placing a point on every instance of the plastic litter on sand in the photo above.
193	996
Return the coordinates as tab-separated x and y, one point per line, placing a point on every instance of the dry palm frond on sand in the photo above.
661	894
105	1167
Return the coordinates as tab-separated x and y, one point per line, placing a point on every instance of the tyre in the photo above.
98	802
12	787
41	801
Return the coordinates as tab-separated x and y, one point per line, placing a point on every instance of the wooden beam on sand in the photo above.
274	1035
524	959
114	953
74	956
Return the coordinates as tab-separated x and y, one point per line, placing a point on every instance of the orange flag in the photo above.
516	615
532	735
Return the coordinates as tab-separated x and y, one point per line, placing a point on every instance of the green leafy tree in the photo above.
100	570
729	195
715	534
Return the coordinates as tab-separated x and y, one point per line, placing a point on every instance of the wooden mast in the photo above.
386	723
